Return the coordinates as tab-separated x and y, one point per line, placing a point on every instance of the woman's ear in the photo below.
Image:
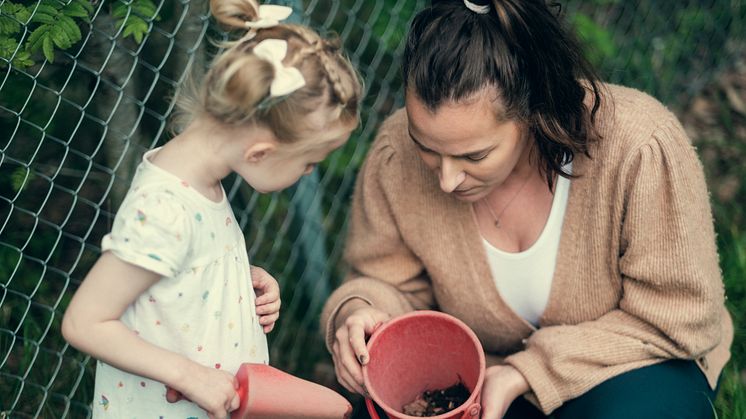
259	151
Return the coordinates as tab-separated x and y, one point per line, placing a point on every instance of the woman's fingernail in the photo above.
362	358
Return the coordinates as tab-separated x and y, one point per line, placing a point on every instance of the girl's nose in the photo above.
450	175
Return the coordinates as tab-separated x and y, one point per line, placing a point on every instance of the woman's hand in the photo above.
267	297
211	389
348	350
502	385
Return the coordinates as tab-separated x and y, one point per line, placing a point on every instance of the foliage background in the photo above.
85	89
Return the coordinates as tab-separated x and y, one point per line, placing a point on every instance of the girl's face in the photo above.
465	144
285	164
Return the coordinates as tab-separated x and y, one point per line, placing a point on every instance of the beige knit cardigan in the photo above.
637	279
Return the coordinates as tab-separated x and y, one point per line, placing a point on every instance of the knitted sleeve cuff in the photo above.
376	293
543	393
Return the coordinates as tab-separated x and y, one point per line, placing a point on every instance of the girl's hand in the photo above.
502	385
211	389
348	350
267	298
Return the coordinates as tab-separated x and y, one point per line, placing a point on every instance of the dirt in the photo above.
437	402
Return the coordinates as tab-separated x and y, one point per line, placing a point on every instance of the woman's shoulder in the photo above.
393	157
392	143
629	118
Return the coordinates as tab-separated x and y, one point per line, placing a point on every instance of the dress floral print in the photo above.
202	308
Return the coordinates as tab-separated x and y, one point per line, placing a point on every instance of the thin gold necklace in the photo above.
489	207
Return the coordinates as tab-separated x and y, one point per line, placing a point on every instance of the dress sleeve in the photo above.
384	272
151	230
673	295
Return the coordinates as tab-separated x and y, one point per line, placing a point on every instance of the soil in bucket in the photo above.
437	402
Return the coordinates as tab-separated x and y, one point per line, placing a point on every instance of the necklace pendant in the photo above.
497	223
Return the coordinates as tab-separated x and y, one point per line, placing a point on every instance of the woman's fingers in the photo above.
357	343
345	378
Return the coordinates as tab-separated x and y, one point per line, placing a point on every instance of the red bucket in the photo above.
419	351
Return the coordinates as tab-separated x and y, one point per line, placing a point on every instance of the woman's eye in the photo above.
423	149
477	157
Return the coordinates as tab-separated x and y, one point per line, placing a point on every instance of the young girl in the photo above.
173	299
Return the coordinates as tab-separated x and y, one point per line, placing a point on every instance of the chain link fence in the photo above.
85	88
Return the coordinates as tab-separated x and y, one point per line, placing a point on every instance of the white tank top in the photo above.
524	279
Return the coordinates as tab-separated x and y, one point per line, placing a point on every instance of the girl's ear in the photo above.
257	152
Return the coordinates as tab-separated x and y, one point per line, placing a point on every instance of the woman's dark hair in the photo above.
520	48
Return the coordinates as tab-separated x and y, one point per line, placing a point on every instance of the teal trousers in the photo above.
672	389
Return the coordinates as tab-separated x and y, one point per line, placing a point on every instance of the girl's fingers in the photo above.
268	308
271	297
235	403
269	319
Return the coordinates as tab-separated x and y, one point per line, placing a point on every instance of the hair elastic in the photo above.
481	9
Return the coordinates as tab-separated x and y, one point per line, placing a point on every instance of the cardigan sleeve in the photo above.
384	272
673	295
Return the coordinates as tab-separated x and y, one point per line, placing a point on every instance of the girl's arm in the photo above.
91	324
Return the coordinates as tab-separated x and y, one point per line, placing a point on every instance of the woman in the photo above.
565	221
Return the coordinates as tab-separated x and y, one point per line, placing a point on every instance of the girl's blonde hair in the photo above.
235	90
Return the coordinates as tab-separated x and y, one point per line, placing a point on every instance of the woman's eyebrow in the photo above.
419	144
463	155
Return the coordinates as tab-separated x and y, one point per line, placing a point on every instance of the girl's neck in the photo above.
198	156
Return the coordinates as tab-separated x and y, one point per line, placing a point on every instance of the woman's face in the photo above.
466	145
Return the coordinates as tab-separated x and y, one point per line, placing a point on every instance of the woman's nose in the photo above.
450	175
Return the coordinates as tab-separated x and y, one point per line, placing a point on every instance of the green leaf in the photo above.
60	37
71	28
9	25
86	4
34	41
23	14
75	10
145	8
137	28
20	178
46	8
54	4
7	47
40	17
120	10
23	59
47	47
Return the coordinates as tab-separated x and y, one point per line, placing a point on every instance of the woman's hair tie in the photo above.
269	15
481	7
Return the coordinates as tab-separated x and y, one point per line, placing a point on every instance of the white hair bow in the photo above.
270	15
287	79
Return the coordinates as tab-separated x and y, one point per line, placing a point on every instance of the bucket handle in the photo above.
472	412
371	409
